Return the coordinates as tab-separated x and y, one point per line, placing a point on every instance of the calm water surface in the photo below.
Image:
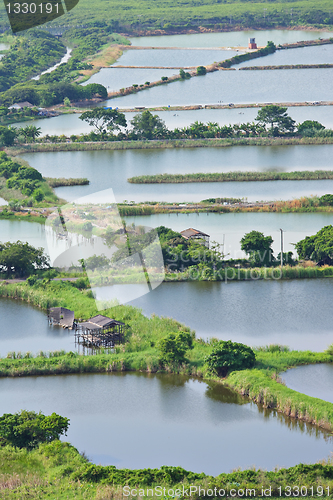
25	328
169	57
71	124
295	313
247	312
117	78
182	415
313	380
107	169
236	87
228	39
320	54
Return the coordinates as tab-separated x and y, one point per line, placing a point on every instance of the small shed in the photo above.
61	316
100	331
252	43
195	234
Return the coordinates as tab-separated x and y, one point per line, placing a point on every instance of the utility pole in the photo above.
281	247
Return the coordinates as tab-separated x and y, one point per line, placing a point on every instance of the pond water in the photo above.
119	418
229	39
235	87
169	57
320	54
25	328
247	312
117	78
256	313
229	228
71	124
313	380
107	169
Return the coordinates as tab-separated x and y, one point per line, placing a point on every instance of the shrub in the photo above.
201	70
174	346
228	356
26	429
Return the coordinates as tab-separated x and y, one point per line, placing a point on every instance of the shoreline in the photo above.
165	144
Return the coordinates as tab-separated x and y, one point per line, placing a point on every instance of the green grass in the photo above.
59	182
159	13
232	177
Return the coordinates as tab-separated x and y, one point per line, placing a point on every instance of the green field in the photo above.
134	15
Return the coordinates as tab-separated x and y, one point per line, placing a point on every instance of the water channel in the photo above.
111	169
313	380
119	419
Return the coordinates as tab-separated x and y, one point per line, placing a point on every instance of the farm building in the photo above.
100	331
195	234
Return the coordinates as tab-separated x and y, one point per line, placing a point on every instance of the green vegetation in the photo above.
59	182
276	119
228	356
57	470
174	346
156	15
21	259
104	119
22	181
237	176
258	247
248	56
145	125
27	429
29	55
318	247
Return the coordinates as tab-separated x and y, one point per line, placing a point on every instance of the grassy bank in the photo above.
195	273
237	176
262	389
58	471
60	182
167	144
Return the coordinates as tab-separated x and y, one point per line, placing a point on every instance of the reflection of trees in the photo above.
295	424
219	392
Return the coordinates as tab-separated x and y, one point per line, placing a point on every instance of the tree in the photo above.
7	136
148	126
309	128
318	247
227	356
174	346
201	70
103	119
26	429
30	132
326	200
277	119
21	258
258	247
96	261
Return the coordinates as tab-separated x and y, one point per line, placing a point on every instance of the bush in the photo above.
228	356
26	429
201	70
174	346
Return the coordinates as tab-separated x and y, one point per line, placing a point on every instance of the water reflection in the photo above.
156	420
